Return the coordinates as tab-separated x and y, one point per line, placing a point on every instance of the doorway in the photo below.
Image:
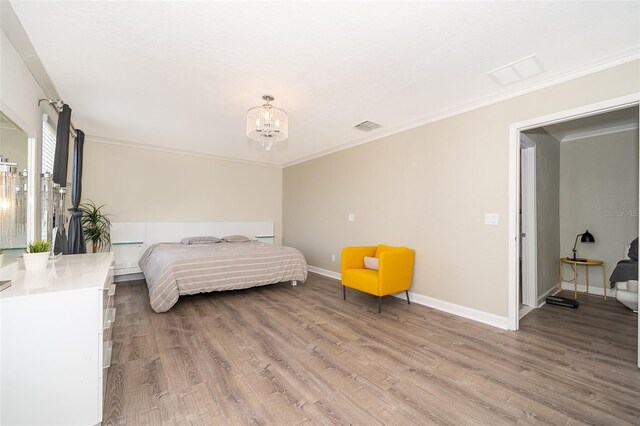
518	244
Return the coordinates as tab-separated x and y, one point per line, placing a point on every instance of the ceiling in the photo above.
181	75
609	122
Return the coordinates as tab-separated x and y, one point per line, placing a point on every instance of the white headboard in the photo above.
130	239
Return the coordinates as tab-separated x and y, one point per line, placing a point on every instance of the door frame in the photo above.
529	222
514	184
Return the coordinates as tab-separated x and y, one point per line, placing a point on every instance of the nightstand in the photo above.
586	263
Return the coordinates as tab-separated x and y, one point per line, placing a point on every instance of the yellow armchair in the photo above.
395	270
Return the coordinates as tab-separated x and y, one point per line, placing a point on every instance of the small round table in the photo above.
586	263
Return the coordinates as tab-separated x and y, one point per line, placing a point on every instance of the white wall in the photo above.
14	146
19	91
143	185
19	94
428	188
599	192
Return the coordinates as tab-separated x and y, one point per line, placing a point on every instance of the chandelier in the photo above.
267	124
8	182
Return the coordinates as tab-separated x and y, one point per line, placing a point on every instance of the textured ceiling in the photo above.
181	75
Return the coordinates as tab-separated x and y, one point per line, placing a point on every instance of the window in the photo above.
48	145
48	156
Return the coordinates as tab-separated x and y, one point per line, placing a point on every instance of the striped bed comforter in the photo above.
173	269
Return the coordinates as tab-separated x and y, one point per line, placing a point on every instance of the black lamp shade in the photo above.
587	237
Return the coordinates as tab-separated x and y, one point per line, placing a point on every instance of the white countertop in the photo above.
67	273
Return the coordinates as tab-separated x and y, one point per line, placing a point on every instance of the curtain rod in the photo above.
57	106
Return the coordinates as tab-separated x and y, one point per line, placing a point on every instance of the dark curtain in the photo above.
76	234
60	171
62	147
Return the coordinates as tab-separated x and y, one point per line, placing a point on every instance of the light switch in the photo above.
491	219
351	217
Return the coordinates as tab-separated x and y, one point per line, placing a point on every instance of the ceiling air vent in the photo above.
367	126
516	71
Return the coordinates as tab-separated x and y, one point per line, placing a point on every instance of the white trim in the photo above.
542	300
594	288
325	272
441	305
32	188
611	61
600	132
459	310
526	141
514	182
130	144
529	227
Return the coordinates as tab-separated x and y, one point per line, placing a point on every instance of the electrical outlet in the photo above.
491	219
351	217
333	257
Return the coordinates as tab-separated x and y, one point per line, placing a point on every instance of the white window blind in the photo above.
48	146
48	155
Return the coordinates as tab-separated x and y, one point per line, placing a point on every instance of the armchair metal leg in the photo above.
379	304
344	292
407	293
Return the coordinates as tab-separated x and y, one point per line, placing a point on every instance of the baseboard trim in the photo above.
542	300
325	272
459	310
441	305
593	289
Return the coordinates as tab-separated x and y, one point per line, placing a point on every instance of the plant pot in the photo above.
35	261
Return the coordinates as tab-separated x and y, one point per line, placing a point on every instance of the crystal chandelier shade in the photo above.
8	182
267	124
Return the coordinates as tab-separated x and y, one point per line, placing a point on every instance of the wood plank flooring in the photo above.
296	355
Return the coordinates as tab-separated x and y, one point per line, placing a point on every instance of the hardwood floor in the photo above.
288	355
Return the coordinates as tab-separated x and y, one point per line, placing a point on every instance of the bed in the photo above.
624	277
176	269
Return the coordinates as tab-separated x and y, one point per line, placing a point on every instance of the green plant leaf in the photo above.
96	225
40	246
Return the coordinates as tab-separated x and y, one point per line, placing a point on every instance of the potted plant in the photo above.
37	255
96	226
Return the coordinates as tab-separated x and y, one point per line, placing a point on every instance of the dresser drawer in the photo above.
108	295
109	280
109	318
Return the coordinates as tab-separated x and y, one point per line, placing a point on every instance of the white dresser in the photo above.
55	341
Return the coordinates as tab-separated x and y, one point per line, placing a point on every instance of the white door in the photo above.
528	232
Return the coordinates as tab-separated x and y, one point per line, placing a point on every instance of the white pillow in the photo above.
236	238
371	263
200	240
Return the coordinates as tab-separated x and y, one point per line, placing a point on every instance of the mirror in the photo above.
14	200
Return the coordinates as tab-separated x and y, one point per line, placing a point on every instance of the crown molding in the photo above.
619	58
600	132
129	144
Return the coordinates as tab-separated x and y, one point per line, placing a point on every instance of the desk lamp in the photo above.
586	237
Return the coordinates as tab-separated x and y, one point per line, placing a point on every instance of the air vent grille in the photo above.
516	71
367	126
